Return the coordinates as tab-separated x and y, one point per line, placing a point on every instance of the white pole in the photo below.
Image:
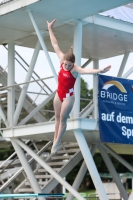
80	175
87	112
113	172
25	87
31	177
11	81
42	44
90	164
77	48
95	89
11	108
130	71
118	157
123	64
50	170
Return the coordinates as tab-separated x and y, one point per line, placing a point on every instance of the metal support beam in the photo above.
90	164
50	170
42	44
3	117
113	172
124	61
11	81
87	112
31	177
77	51
95	89
25	87
37	109
118	157
80	174
87	63
109	22
128	73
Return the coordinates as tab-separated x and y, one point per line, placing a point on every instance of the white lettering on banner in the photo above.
124	119
127	132
108	117
119	118
113	96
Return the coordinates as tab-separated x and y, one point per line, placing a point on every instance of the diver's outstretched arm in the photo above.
54	41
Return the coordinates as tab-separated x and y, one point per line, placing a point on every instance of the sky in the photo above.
43	70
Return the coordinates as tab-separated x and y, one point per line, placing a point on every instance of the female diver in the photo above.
64	98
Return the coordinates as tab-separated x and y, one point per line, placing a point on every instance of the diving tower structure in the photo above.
94	36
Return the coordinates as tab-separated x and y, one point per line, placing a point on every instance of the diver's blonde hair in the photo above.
69	56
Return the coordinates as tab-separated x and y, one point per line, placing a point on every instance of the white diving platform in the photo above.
45	131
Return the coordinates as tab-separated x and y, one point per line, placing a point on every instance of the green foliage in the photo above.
85	94
47	108
72	175
6	152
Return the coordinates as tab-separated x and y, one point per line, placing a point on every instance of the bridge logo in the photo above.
108	84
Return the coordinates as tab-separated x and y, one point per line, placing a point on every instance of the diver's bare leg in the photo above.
57	107
66	108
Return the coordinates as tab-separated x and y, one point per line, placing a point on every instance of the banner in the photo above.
115	105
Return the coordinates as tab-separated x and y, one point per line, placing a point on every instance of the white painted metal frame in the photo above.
118	157
81	174
25	87
42	43
37	109
50	170
123	64
109	23
11	109
77	52
90	164
128	73
113	172
11	78
88	160
33	181
95	89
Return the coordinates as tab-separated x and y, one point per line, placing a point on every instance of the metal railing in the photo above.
27	65
36	79
5	1
39	153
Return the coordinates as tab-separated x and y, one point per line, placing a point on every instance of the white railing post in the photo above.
90	164
11	81
95	89
113	172
77	48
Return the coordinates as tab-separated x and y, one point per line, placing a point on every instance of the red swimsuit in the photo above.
66	83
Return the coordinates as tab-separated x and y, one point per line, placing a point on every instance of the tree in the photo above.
86	95
6	152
